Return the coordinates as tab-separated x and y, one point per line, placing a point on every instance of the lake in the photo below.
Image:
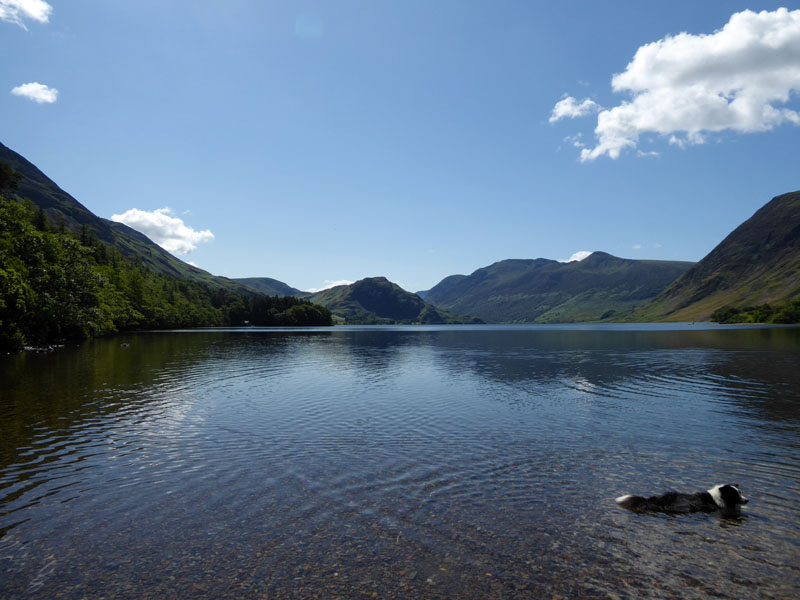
359	462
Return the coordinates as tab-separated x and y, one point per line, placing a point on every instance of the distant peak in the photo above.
599	256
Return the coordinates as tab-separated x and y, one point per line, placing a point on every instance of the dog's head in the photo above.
727	496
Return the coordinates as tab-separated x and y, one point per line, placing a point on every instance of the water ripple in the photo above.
452	463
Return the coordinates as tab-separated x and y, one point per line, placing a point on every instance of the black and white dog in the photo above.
720	497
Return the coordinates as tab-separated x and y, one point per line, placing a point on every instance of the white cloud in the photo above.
637	246
37	92
329	284
570	108
14	11
579	255
168	232
575	140
687	86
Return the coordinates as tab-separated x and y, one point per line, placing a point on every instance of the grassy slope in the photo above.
268	286
444	285
759	262
599	287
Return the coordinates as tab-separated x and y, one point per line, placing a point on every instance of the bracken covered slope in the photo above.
758	263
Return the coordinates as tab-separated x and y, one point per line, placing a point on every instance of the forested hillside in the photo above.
57	285
66	213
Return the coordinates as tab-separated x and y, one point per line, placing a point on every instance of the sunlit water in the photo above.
461	462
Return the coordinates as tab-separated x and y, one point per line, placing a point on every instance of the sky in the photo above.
317	142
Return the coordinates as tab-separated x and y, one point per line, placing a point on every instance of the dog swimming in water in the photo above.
720	497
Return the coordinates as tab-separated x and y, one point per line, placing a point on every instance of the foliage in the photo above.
58	285
29	185
788	314
286	310
9	178
764	313
728	314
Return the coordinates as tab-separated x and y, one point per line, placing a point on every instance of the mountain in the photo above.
62	209
758	263
268	286
376	300
599	287
442	287
64	275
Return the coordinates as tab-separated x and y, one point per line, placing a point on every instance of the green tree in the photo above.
9	178
55	285
788	314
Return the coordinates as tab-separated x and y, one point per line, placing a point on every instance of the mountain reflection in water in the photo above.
400	462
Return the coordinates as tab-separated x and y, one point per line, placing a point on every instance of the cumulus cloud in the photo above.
570	108
329	284
36	92
14	11
579	255
684	87
169	232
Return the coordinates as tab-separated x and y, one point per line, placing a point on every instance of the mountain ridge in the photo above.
600	287
376	300
757	263
63	209
268	286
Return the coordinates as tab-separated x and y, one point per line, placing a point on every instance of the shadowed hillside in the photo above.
65	274
758	263
600	287
267	286
376	300
62	209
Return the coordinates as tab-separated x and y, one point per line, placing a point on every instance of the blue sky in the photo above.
326	141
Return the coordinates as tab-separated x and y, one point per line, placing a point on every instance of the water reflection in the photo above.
453	462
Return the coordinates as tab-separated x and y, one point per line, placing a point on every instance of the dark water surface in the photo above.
400	462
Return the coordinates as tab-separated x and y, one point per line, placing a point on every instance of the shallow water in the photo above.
466	462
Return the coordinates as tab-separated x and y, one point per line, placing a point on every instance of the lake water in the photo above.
358	462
